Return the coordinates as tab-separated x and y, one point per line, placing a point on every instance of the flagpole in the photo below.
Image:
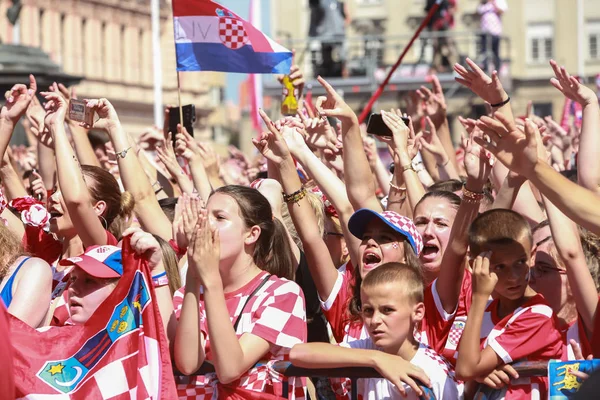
157	64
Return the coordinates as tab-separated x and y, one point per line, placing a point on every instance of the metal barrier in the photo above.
524	368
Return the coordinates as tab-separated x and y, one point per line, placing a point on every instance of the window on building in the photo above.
103	56
141	55
540	44
41	28
593	36
124	58
63	40
82	55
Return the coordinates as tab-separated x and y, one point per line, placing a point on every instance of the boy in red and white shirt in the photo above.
517	324
392	305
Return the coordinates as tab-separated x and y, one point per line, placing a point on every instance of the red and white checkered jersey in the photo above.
530	333
439	329
277	314
490	19
443	382
576	331
335	307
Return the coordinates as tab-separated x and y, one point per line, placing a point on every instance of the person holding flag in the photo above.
116	344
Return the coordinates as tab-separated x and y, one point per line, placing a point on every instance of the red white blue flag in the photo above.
209	37
121	352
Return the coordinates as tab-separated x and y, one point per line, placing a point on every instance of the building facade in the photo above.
534	31
109	44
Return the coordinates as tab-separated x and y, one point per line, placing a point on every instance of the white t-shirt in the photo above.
444	385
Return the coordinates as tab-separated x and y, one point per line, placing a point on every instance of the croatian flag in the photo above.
121	352
209	37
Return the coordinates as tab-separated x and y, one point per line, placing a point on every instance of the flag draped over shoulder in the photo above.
121	352
209	37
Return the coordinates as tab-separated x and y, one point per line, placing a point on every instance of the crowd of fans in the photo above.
440	275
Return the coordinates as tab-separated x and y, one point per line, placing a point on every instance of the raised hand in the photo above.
18	99
35	114
489	89
295	75
405	141
108	118
185	145
478	163
484	281
271	144
434	101
332	105
515	149
56	109
319	133
570	86
431	142
187	210
37	187
146	245
204	250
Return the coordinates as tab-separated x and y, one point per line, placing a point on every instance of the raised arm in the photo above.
272	145
186	147
588	162
566	238
329	184
18	99
134	179
453	268
406	146
488	88
431	142
70	178
360	184
167	156
518	151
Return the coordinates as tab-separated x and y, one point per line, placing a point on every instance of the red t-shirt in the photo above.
439	329
530	333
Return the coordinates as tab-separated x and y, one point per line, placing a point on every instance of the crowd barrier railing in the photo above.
524	368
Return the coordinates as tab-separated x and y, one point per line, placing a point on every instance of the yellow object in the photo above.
289	98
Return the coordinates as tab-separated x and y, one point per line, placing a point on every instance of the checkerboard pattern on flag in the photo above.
121	352
209	37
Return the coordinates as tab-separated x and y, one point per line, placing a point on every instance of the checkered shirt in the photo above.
490	20
277	314
232	33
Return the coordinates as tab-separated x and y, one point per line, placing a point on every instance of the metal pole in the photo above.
157	64
580	41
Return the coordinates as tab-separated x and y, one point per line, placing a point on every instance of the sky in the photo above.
242	8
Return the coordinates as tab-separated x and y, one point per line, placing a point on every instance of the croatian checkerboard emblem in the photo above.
231	30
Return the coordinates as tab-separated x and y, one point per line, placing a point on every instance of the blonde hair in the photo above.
171	264
318	209
590	243
11	249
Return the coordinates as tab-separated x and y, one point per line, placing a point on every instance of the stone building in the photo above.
109	44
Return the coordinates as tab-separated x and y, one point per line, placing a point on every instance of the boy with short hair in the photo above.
392	304
517	324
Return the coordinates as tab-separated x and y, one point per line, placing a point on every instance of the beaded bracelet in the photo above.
471	196
296	196
396	187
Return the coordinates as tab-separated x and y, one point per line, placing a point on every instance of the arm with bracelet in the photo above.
273	147
147	209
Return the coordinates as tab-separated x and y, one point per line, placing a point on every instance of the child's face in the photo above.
389	316
510	262
380	244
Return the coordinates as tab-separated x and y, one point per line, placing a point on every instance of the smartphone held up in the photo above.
377	127
80	113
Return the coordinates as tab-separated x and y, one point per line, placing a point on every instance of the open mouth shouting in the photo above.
430	252
370	260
